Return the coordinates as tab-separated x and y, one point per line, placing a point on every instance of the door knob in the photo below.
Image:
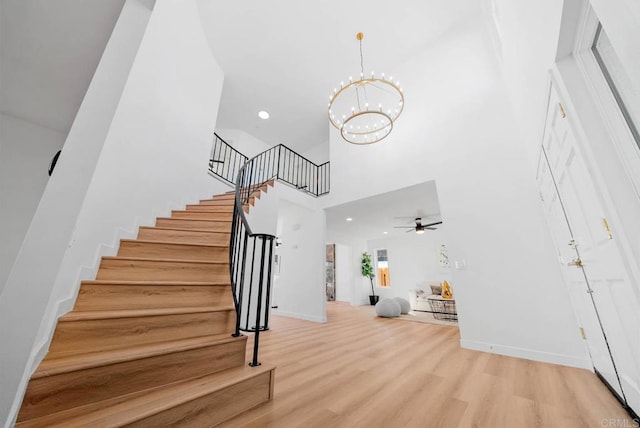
577	263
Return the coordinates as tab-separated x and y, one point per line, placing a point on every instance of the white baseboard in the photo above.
528	354
299	316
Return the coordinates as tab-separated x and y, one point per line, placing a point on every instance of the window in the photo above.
382	268
626	95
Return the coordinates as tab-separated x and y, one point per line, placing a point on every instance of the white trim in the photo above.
587	27
528	354
604	101
296	315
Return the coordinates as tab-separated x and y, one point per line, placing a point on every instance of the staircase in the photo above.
148	343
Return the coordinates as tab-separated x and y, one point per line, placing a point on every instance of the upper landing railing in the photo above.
279	162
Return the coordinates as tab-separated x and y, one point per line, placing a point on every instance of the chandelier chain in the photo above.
364	88
361	59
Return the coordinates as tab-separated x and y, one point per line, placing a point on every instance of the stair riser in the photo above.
93	297
161	270
201	215
178	223
184	236
84	336
214	408
211	208
67	390
172	251
218	202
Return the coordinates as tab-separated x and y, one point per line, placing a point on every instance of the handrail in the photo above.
251	287
300	172
225	160
251	254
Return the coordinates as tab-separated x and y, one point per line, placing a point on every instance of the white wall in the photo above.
530	32
26	149
459	129
317	154
413	262
153	152
243	142
343	273
299	290
528	47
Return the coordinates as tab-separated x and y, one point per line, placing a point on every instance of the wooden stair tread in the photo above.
175	283
54	366
212	212
222	200
186	230
193	219
196	215
225	200
135	313
146	259
209	208
186	244
130	408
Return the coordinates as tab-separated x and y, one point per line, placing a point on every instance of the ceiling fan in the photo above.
419	228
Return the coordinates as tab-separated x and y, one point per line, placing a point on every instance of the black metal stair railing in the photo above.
251	254
225	161
300	172
285	164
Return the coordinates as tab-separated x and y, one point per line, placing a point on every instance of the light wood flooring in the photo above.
361	371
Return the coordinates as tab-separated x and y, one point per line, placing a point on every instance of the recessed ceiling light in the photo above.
263	114
349	219
385	232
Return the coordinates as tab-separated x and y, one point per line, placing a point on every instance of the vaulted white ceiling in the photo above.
287	56
284	57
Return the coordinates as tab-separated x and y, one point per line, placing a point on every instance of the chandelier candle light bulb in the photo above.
352	102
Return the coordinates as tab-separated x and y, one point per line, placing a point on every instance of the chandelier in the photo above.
365	109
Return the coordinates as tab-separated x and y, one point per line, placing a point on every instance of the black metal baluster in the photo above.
268	297
256	337
279	153
245	240
253	262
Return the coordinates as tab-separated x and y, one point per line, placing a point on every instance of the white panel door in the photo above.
575	280
594	265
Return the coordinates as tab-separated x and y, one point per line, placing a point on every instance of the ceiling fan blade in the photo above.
431	228
433	224
411	230
404	227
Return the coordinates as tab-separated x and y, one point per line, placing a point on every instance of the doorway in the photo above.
599	284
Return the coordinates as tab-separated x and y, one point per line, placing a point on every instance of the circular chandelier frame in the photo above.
362	124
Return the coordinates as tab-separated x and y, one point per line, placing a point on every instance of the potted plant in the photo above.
367	271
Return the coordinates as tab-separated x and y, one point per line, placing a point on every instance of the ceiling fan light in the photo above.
419	231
